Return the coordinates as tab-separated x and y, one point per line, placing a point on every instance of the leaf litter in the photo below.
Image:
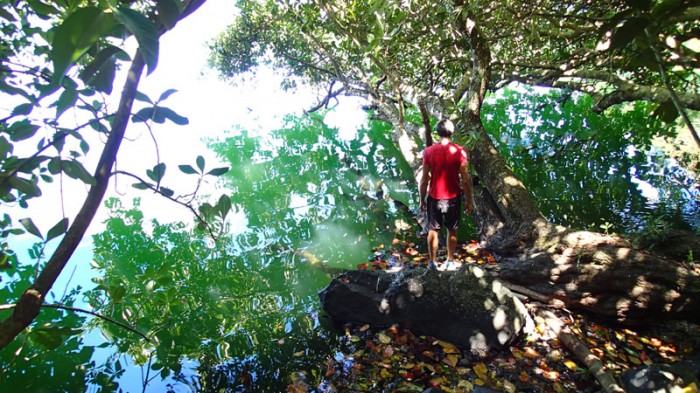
397	360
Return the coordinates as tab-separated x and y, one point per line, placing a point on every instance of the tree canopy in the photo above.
615	51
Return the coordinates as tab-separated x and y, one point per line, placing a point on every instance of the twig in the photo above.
157	191
75	309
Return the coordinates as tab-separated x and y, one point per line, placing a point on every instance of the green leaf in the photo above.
57	230
54	165
200	163
206	209
157	173
75	36
143	115
77	171
65	101
168	13
7	16
164	96
223	206
22	130
50	338
218	171
166	191
145	32
666	112
25	186
28	224
43	10
98	126
117	293
626	33
100	73
143	97
140	186
174	117
103	80
6	148
84	147
23	109
158	115
28	165
187	169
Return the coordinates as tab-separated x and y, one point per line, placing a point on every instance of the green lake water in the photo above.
242	313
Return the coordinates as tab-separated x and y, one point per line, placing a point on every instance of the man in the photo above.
443	165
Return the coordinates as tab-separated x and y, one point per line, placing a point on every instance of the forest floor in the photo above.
396	360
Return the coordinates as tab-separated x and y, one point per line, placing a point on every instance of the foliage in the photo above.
242	312
42	78
441	60
245	305
572	160
408	51
305	182
51	353
59	61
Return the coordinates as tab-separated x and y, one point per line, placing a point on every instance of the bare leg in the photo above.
451	244
433	244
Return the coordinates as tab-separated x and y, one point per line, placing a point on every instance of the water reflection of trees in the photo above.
243	311
587	170
245	308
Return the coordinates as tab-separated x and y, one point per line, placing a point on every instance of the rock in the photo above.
673	377
468	307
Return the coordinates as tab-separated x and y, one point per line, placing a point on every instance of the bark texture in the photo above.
606	276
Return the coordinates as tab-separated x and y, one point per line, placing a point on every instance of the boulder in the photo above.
467	307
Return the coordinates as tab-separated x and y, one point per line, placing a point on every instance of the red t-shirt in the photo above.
444	161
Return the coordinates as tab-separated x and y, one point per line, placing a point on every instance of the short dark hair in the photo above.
445	128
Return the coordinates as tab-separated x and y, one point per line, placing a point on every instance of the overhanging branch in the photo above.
75	309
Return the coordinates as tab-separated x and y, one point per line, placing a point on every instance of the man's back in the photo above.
444	160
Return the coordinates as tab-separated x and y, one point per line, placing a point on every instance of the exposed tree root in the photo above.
607	277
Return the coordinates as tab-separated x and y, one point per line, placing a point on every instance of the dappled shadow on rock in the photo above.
467	307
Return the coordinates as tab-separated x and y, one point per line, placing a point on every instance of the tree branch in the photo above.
580	350
324	102
674	96
157	191
30	302
74	309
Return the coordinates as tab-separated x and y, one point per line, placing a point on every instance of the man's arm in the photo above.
467	187
423	187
